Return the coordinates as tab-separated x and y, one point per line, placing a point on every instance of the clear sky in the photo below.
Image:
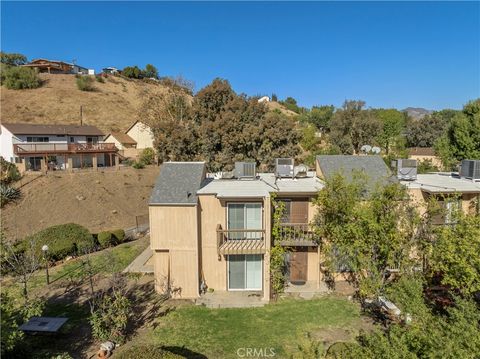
388	54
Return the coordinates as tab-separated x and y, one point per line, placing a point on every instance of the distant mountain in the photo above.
417	112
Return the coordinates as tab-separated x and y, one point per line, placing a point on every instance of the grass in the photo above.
218	333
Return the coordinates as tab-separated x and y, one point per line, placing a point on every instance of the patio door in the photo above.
245	272
244	216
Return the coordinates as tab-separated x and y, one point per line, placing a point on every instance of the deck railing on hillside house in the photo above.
297	234
51	148
240	241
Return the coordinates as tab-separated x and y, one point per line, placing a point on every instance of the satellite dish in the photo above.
366	148
376	150
301	171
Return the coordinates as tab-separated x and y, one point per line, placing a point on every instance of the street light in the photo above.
45	250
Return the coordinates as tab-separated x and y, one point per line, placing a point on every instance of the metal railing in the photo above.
46	147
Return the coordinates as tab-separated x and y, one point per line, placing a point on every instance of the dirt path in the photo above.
96	200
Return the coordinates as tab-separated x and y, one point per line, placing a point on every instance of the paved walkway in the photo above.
142	264
308	290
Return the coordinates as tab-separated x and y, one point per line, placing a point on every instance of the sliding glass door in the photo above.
244	216
245	272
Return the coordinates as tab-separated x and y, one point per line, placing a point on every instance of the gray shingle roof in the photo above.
372	166
178	183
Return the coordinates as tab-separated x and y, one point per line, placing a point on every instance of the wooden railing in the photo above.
47	148
240	241
297	234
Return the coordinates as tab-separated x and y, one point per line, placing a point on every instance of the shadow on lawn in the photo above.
184	352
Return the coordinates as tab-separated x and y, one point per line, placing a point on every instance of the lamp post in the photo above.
45	250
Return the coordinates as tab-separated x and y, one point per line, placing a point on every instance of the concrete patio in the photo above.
308	290
223	299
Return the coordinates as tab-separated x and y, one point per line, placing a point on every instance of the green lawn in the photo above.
218	333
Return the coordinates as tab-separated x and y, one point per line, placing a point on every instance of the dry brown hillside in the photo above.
113	106
97	200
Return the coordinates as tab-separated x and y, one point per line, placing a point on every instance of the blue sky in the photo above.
388	54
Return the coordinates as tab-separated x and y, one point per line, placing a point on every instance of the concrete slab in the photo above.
141	264
225	299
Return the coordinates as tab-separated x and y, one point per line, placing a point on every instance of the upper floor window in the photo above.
244	216
92	140
37	139
296	210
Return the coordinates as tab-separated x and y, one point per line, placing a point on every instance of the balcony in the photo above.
297	234
240	241
46	148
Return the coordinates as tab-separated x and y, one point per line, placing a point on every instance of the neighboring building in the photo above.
55	147
264	99
135	139
421	154
58	67
215	231
111	71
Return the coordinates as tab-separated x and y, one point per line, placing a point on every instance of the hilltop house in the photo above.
215	231
135	139
58	67
55	147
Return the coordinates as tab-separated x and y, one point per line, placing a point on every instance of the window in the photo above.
37	139
296	210
72	139
452	207
244	216
92	140
245	272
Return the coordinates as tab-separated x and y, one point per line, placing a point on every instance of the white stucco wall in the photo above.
6	144
142	134
111	139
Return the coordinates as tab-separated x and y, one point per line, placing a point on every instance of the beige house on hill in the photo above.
135	139
421	154
214	231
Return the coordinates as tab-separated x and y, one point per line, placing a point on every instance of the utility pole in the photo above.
81	115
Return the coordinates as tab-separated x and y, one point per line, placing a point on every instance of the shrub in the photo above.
147	156
19	78
119	235
138	165
8	194
85	83
148	351
9	172
100	79
64	240
105	239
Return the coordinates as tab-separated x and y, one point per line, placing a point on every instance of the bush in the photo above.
9	172
119	235
105	239
147	351
138	165
64	240
8	194
100	79
147	156
85	83
19	78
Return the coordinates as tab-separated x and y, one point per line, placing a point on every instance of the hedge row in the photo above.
111	238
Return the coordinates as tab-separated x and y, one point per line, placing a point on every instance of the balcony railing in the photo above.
57	148
297	234
240	241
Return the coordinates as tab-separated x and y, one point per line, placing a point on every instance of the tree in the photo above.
132	72
352	127
291	104
393	124
151	71
174	131
12	59
453	254
462	138
424	132
321	116
365	233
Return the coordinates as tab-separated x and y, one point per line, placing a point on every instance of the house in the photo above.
264	99
110	71
452	191
58	67
421	154
55	147
135	139
215	230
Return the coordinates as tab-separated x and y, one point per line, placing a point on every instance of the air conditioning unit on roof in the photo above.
245	170
284	167
470	169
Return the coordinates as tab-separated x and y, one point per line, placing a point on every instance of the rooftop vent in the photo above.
245	170
284	167
470	169
406	169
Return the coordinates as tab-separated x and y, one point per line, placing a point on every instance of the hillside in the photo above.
96	200
113	106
